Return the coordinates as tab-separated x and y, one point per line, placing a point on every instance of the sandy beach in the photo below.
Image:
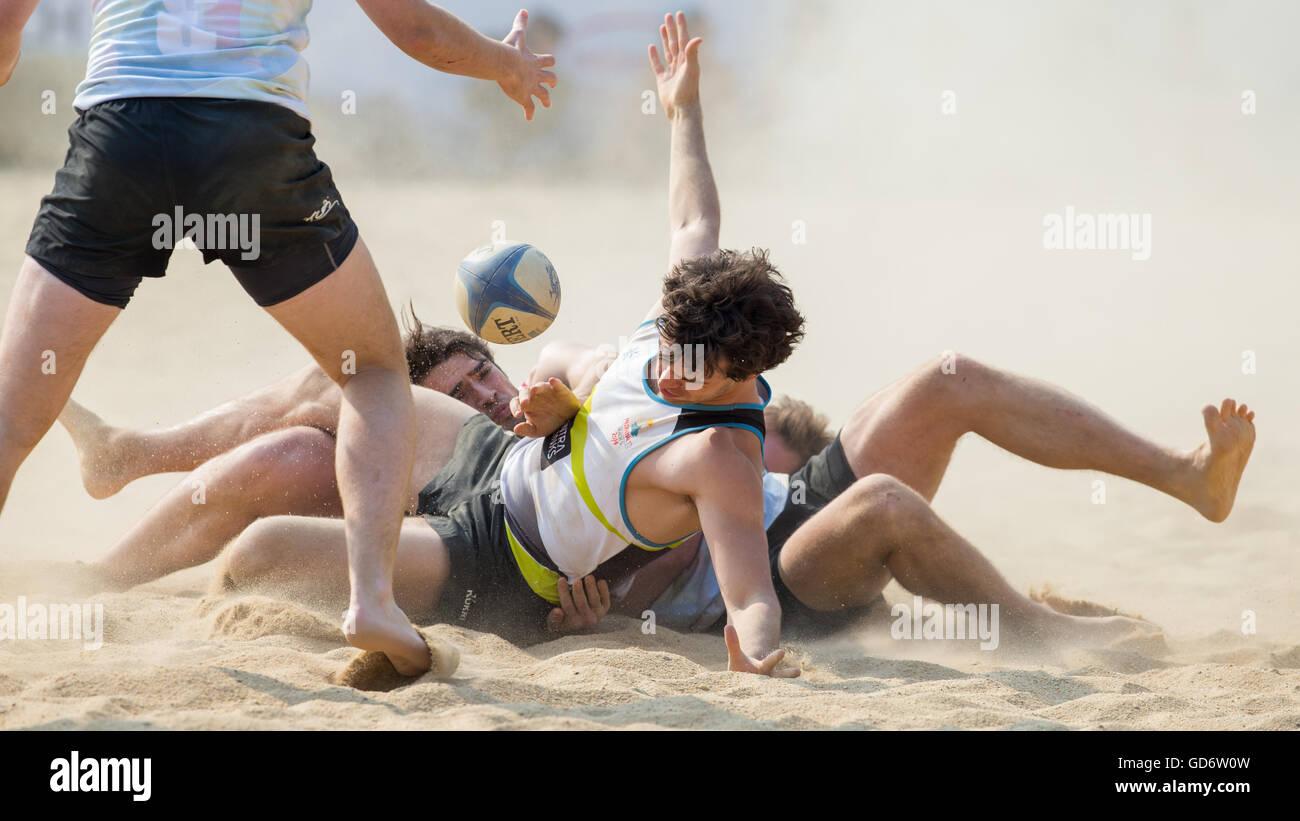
177	656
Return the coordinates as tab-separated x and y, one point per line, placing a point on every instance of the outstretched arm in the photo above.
693	210
443	41
728	494
13	16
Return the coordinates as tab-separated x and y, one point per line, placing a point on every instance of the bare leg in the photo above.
50	330
909	430
880	529
284	473
289	472
112	457
307	559
348	327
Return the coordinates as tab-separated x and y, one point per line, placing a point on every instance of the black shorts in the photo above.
824	477
265	205
463	503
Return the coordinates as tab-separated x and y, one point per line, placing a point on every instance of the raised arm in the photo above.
693	210
13	16
443	41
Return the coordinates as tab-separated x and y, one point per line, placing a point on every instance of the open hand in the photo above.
738	662
528	77
678	73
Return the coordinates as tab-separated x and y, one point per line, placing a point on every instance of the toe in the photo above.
1229	406
1210	414
1250	417
1241	409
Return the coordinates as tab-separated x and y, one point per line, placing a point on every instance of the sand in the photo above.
177	659
926	239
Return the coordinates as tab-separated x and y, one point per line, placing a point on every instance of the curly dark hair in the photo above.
428	346
737	305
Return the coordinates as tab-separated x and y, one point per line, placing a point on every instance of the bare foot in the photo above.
1081	623
100	451
1095	631
1219	462
386	630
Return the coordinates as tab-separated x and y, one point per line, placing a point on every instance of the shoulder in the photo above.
723	454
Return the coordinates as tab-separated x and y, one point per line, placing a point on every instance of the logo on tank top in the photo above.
557	445
623	434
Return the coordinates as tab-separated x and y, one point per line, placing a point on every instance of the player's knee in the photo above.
946	381
253	476
251	556
320	416
883	503
282	457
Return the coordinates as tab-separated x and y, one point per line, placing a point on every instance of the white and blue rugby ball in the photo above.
507	292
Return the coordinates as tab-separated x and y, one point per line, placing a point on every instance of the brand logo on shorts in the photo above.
326	205
470	598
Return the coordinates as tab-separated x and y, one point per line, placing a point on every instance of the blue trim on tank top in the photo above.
645	384
622	485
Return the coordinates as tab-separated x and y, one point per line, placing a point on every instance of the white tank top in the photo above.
564	494
229	49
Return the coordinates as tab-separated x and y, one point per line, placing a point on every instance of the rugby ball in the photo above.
507	292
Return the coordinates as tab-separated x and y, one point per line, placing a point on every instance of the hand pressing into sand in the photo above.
545	407
738	662
581	607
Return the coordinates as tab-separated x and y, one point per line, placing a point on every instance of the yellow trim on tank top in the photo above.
580	478
541	580
580	472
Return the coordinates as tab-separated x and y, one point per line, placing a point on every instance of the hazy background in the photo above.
923	233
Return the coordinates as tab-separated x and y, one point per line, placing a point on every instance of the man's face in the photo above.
478	383
682	378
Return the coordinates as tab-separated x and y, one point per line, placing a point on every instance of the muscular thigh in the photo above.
438	420
836	559
307	558
905	430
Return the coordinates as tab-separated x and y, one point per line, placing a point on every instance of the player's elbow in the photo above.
700	225
695	238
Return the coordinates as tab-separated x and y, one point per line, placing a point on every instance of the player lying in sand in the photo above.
833	549
289	470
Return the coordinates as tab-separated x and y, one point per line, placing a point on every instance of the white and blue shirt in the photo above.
227	49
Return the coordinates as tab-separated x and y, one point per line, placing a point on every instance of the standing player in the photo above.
201	112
